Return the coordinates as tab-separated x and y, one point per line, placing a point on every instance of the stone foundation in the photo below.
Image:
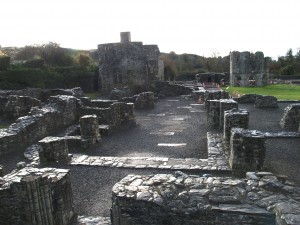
291	117
89	129
163	199
36	197
53	149
62	111
247	150
235	118
115	115
263	101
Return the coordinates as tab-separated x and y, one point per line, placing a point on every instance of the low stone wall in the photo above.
247	150
291	117
60	113
247	98
42	94
36	197
260	101
17	106
115	115
162	199
164	88
264	101
215	112
235	118
53	149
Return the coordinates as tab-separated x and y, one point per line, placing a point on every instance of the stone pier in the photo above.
89	128
36	197
235	118
53	149
247	150
215	112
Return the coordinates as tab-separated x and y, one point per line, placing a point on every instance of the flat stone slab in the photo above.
88	220
171	144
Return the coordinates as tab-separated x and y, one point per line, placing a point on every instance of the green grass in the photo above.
93	95
280	91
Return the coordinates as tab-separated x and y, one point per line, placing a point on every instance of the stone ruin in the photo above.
260	101
61	112
129	64
238	118
216	109
248	69
36	197
291	117
259	199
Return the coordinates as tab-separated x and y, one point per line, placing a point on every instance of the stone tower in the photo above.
248	69
128	63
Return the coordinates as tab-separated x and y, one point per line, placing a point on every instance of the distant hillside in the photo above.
186	66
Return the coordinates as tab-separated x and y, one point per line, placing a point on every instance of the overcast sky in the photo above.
184	26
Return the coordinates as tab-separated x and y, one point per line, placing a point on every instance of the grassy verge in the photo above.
280	91
93	95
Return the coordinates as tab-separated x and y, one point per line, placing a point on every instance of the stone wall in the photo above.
127	63
263	101
42	94
164	88
247	98
34	196
164	199
247	150
246	67
89	129
215	112
115	115
17	106
61	112
235	118
215	95
53	149
291	117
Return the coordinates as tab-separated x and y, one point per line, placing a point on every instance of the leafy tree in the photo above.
287	70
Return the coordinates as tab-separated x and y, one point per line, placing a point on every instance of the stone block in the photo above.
235	118
144	100
89	128
53	149
247	150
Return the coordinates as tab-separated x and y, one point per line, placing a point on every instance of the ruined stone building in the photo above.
129	64
248	69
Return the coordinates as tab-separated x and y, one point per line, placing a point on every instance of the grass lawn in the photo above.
93	95
280	91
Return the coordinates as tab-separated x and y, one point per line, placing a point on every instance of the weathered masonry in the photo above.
36	197
248	69
129	64
165	199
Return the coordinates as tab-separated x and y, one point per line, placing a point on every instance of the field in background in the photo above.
280	91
